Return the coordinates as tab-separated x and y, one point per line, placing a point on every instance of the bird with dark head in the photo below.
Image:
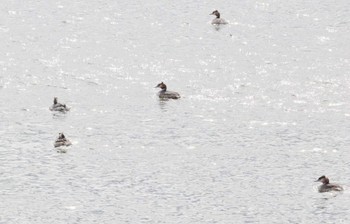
217	20
58	106
326	186
62	141
216	13
164	94
162	86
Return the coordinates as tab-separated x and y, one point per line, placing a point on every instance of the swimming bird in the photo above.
217	20
326	186
62	141
164	94
58	106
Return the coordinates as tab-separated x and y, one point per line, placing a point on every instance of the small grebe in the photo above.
164	94
62	141
58	106
326	186
217	20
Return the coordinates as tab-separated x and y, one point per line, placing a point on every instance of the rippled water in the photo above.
264	111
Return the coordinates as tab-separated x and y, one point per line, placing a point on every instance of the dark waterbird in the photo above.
217	20
326	186
164	94
58	106
62	141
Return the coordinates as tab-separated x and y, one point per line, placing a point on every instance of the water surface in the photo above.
264	111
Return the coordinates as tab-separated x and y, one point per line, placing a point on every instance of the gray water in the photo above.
264	111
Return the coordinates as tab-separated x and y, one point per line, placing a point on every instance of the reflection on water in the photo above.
163	104
62	149
217	27
328	204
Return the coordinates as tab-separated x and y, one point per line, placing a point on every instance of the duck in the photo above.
217	20
326	186
62	141
58	106
164	94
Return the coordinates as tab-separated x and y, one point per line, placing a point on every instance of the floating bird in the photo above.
62	141
217	20
58	106
164	94
326	186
